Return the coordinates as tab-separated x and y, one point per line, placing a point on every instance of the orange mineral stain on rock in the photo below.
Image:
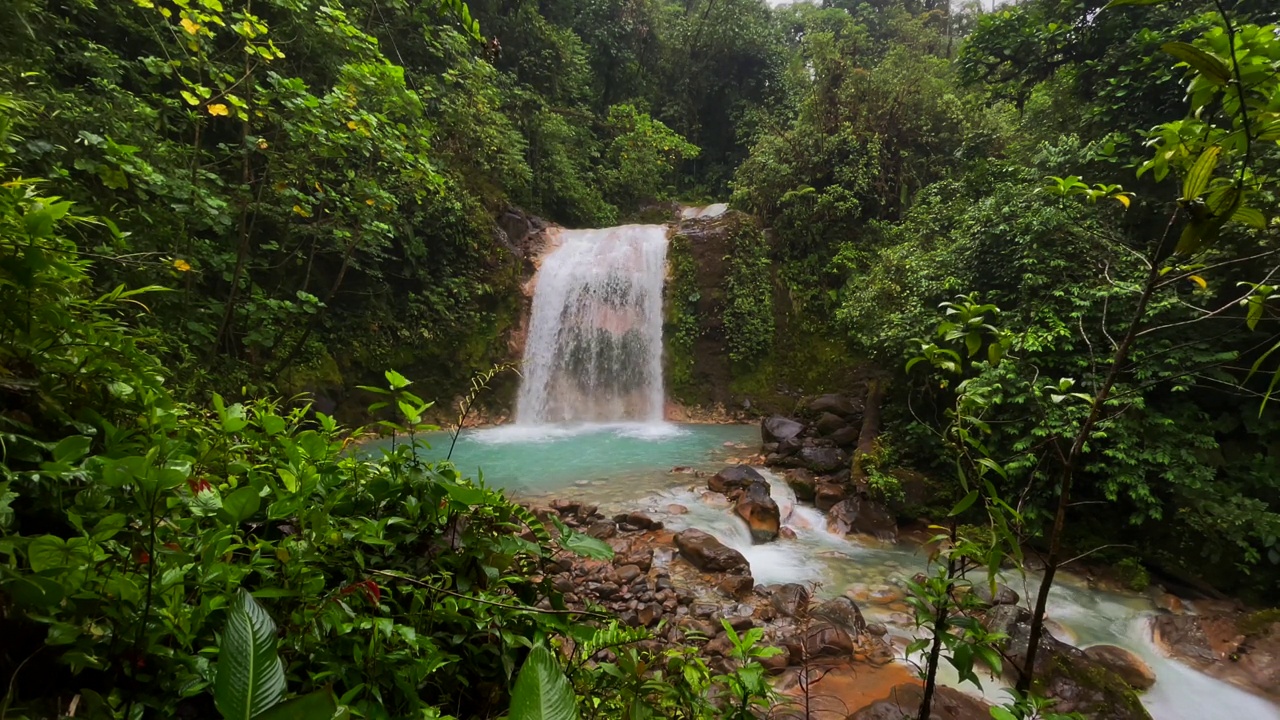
837	692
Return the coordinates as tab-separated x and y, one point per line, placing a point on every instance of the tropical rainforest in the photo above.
1047	229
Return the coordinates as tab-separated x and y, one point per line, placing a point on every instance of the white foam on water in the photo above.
552	432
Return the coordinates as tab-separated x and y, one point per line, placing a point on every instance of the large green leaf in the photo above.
250	677
1208	65
318	705
1198	178
542	692
1118	3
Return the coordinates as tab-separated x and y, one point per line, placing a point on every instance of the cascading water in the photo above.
594	351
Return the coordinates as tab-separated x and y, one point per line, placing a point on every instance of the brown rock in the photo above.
603	529
835	404
845	437
828	495
904	701
790	600
802	483
675	509
1128	666
862	516
639	520
648	615
821	641
709	554
627	573
842	613
736	586
734	478
830	422
760	512
786	533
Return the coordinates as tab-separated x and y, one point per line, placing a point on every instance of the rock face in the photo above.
777	429
709	554
865	517
760	511
1077	682
904	702
735	478
1128	666
1240	648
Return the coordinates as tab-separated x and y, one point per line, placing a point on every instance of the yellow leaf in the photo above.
218	109
181	265
298	209
262	144
1122	199
189	26
1199	281
351	124
318	188
369	202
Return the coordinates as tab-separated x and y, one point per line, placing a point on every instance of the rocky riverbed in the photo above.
843	652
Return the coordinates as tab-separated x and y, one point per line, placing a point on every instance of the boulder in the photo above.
828	423
846	436
843	613
639	520
1241	648
819	459
790	447
1066	674
778	428
734	478
864	517
827	495
790	600
802	483
709	554
904	702
1004	595
760	512
1127	665
821	641
836	405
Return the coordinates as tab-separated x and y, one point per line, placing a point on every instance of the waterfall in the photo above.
594	350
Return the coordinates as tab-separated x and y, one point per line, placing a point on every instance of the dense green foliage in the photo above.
900	179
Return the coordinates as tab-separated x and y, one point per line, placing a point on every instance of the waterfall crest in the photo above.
594	350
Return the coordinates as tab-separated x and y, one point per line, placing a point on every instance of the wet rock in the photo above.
736	586
1242	648
829	423
786	533
865	517
776	664
735	478
709	554
842	613
1127	665
1004	595
676	509
836	405
760	512
628	573
827	495
790	447
802	483
821	641
641	558
565	507
649	615
877	629
603	529
904	701
778	428
638	520
1170	603
790	600
1075	681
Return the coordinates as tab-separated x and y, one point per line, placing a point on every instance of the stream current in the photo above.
630	466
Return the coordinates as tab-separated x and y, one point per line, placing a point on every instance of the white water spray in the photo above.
594	352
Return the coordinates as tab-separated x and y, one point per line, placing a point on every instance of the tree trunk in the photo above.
870	430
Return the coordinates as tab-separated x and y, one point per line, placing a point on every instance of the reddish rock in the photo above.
734	478
709	554
760	512
828	495
1127	665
